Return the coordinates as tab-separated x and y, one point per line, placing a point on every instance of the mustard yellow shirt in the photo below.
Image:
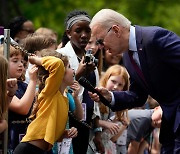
52	114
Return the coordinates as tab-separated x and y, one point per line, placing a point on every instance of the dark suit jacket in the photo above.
159	55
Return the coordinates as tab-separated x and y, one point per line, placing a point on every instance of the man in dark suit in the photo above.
152	58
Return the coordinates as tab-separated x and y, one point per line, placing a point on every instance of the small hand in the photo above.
81	69
33	73
70	133
84	68
11	86
34	60
75	87
112	127
90	67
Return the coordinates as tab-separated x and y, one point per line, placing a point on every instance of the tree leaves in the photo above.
51	13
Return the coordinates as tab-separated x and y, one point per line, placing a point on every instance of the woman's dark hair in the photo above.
15	25
65	39
75	13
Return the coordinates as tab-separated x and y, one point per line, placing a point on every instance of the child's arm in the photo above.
125	122
69	133
11	88
3	125
35	60
78	112
122	128
81	69
84	69
72	132
56	69
23	105
112	127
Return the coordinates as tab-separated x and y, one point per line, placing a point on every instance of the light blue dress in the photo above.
71	108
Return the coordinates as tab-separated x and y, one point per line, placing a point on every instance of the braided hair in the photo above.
75	13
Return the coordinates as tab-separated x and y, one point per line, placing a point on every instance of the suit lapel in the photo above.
142	54
130	68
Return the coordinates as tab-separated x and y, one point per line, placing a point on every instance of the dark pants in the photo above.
80	143
170	141
27	148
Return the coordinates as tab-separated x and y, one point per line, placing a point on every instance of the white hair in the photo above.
107	17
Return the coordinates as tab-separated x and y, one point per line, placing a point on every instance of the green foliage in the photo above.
51	13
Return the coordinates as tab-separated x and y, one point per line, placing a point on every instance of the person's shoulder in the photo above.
152	30
60	50
67	49
134	113
151	34
148	27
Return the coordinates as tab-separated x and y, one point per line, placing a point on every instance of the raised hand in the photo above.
75	87
11	86
33	73
34	60
70	133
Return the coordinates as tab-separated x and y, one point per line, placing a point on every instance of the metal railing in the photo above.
6	52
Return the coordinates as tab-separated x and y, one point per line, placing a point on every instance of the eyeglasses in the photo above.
101	41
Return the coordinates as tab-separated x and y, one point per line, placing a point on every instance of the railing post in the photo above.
6	54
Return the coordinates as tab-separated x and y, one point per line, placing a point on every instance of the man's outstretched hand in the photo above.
103	91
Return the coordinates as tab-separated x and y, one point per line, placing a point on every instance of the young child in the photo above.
143	122
50	111
7	90
110	60
74	103
115	78
34	43
47	32
21	103
75	109
96	51
3	93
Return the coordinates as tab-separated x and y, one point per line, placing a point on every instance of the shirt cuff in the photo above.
113	99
